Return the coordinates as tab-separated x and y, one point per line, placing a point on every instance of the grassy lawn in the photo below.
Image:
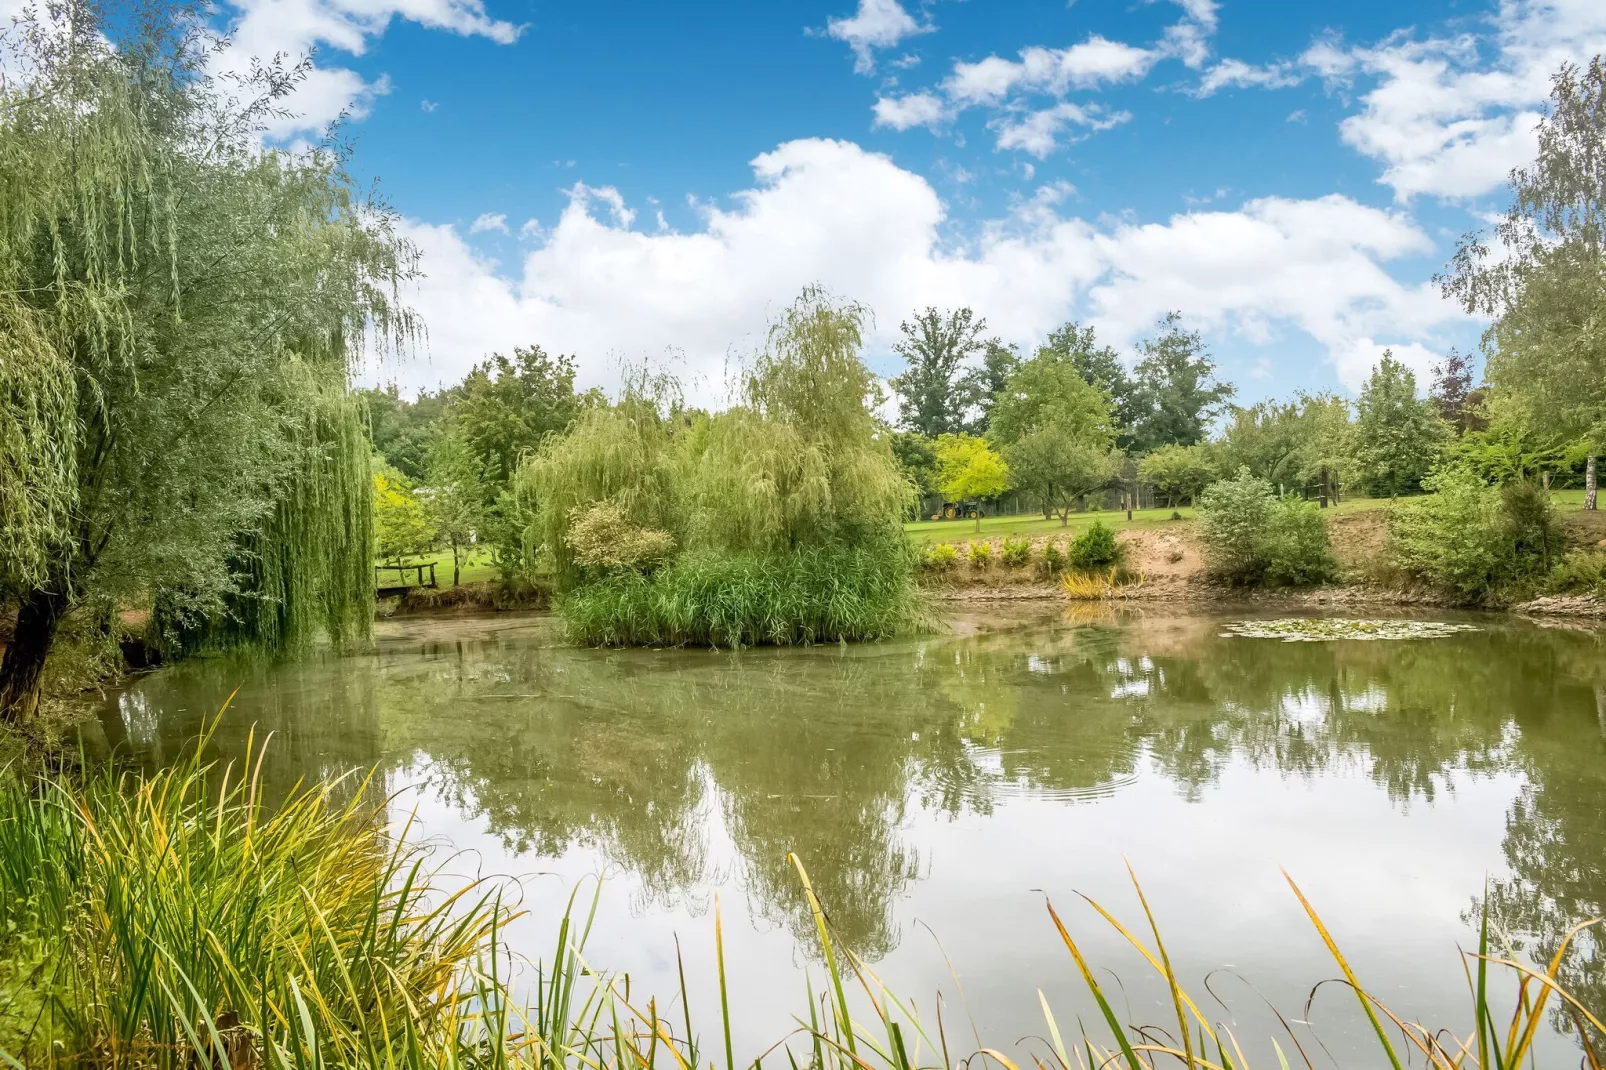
1572	498
1033	524
920	531
477	568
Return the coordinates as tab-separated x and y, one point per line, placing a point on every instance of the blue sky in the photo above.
629	181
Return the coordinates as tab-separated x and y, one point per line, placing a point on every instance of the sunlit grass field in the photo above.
477	566
923	531
920	531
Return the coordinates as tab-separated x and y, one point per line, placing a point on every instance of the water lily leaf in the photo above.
1326	629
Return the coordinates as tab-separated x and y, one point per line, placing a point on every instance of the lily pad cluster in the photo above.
1326	629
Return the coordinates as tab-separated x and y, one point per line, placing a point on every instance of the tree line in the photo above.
1070	420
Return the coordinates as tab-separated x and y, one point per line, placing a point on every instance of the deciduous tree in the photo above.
456	501
505	406
1180	473
1102	367
970	469
984	383
932	392
1459	402
1546	291
1058	468
403	527
1177	392
1397	435
1047	389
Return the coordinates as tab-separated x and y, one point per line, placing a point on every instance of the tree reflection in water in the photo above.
648	757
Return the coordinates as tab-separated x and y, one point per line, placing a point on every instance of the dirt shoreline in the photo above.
1171	569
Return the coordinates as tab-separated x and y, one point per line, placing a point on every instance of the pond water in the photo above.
940	790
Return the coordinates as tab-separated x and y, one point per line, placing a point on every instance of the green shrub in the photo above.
1455	538
1535	536
1097	547
1053	561
1234	515
1253	537
1478	543
943	557
981	555
1017	553
602	537
713	598
1580	572
1297	550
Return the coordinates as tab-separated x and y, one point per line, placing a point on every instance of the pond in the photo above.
940	790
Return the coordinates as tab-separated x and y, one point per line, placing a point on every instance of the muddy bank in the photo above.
1168	564
492	596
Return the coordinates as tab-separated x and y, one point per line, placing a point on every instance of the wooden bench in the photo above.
400	584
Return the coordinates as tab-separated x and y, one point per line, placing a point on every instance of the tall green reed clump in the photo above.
177	921
709	598
776	507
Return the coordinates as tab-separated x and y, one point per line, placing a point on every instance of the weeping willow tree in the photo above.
784	510
798	461
179	310
305	570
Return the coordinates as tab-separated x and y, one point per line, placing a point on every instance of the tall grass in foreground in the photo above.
723	599
173	921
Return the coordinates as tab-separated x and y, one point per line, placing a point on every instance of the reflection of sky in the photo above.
1391	886
1068	758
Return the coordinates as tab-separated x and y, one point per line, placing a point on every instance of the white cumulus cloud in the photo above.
833	213
1019	90
876	24
1039	132
262	29
489	221
1235	73
912	109
1444	115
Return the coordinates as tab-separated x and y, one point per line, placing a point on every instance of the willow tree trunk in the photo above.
22	670
1589	483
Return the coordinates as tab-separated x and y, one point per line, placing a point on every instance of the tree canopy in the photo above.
1546	289
1397	435
1289	443
1100	366
180	309
969	469
1177	392
1048	390
933	393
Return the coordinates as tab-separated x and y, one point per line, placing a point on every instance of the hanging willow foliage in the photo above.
306	571
784	509
37	465
179	313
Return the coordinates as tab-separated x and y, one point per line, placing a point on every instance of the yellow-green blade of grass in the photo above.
1114	1023
845	1025
1349	974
